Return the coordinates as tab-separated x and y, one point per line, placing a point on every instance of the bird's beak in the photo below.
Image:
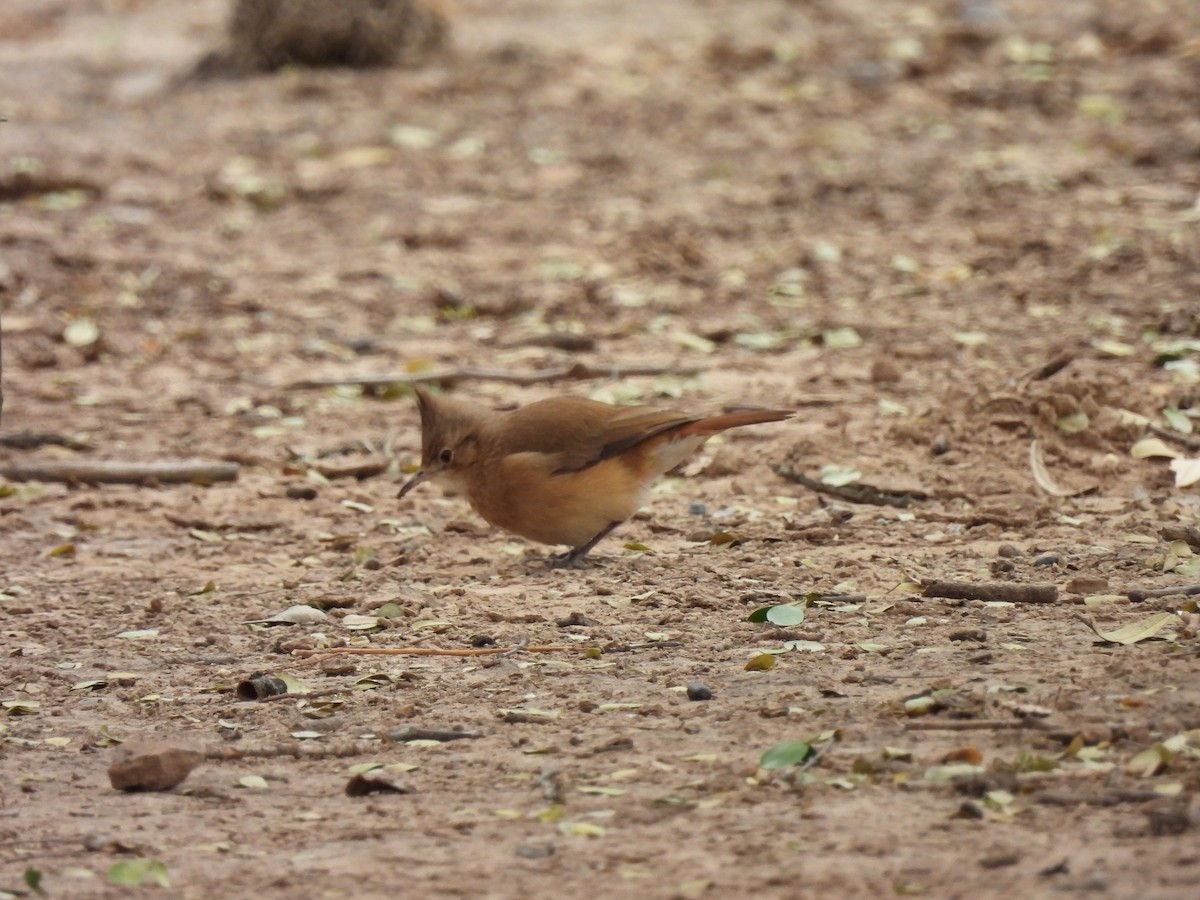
420	476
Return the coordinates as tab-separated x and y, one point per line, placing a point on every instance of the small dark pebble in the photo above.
1047	559
698	690
968	809
1000	860
301	492
940	446
575	618
696	508
1168	820
981	659
372	563
980	783
1062	867
333	667
535	851
1002	566
969	634
260	686
482	640
1007	551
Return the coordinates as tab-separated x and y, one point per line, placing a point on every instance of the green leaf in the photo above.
783	756
135	872
760	614
33	880
785	615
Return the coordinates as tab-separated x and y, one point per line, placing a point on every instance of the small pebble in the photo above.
969	634
152	765
301	492
1008	551
698	690
696	508
1086	584
535	851
575	618
940	446
1047	559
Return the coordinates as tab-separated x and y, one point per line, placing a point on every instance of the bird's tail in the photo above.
711	425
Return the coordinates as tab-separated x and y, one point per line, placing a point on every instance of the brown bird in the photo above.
564	470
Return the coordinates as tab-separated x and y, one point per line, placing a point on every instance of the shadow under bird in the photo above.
564	470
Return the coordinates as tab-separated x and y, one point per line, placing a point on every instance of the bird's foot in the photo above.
575	557
572	559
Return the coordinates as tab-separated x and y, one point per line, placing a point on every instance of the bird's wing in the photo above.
576	433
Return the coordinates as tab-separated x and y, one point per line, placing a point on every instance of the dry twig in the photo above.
574	372
118	472
1183	590
963	725
319	655
31	440
1184	440
1111	798
851	493
1007	593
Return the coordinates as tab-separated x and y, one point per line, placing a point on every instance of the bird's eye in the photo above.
446	456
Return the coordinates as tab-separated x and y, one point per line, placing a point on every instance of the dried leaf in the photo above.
1187	471
1178	419
81	332
764	662
1073	423
835	475
357	622
293	615
582	829
139	634
1152	446
1136	631
1041	476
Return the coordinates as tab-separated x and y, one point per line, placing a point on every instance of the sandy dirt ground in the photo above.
943	232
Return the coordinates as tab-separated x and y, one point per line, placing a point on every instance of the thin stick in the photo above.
430	651
1113	798
573	372
1184	590
118	472
852	493
31	440
412	733
1008	593
1185	440
963	725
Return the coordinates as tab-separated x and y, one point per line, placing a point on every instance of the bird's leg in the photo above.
573	558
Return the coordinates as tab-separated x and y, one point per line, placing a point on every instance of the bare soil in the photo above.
891	217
